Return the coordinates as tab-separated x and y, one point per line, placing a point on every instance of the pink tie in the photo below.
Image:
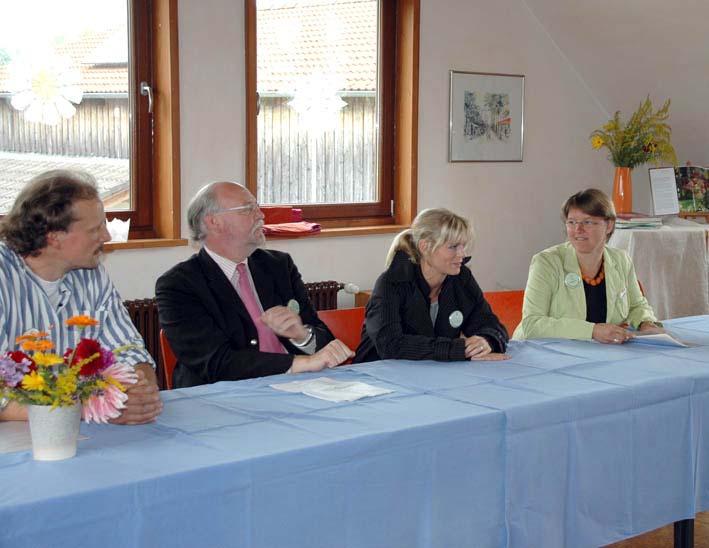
268	342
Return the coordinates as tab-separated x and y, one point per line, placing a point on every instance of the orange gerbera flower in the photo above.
81	321
37	346
31	336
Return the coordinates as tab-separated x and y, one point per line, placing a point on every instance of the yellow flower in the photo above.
597	142
33	381
66	385
43	359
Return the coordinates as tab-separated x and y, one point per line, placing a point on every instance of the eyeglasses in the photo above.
246	209
586	223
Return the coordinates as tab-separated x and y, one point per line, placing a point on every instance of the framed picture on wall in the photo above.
486	119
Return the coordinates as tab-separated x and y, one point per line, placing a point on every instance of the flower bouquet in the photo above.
644	138
86	379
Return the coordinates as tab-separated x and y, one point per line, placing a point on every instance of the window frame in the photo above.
155	139
398	122
154	166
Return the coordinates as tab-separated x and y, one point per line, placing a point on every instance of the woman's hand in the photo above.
476	347
650	327
609	333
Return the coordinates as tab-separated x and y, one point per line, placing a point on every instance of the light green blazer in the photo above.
555	302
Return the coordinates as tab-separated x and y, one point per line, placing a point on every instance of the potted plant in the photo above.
644	138
85	381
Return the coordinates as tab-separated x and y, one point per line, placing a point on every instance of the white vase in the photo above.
54	431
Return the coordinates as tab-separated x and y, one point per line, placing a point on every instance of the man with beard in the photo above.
235	311
51	243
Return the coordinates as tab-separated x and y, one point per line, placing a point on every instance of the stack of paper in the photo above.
637	220
331	390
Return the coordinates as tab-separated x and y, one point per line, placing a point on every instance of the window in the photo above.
331	87
70	98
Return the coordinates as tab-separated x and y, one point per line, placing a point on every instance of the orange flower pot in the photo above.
622	190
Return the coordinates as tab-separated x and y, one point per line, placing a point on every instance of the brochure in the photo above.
657	339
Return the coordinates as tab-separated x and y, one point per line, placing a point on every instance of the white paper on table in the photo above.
664	191
331	390
658	339
15	436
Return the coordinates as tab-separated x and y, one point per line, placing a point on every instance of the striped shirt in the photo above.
24	305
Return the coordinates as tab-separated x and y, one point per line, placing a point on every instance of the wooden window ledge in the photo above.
344	231
144	244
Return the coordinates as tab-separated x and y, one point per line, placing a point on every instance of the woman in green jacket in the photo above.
583	289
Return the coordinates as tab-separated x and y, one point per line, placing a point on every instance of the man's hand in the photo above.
285	323
143	404
331	355
609	333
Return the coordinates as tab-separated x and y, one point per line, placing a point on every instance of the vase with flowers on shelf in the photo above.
644	138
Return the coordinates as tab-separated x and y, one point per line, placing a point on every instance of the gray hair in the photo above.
204	203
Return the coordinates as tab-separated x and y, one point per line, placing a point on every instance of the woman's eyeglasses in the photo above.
586	223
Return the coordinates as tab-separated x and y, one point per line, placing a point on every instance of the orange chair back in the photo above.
169	360
507	306
345	324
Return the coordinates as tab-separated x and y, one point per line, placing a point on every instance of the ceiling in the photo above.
626	49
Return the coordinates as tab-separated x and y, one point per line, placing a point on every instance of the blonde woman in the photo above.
583	289
427	304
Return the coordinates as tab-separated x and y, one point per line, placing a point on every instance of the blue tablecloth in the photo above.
567	444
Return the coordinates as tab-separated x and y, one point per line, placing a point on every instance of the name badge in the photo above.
572	279
456	318
294	306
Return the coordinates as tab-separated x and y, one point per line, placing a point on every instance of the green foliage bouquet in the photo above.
644	138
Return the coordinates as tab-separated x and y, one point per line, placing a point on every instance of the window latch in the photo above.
145	89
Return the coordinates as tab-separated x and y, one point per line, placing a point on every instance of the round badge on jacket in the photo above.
572	279
456	318
294	306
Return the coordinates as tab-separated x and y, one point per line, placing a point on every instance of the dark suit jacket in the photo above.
209	328
398	321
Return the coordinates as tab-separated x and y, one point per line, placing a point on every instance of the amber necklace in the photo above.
593	282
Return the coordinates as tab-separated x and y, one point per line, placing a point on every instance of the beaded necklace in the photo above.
593	282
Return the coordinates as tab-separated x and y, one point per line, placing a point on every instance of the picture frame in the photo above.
486	117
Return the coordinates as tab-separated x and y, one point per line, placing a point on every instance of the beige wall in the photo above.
514	206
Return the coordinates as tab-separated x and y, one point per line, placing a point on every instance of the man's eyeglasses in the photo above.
586	223
246	209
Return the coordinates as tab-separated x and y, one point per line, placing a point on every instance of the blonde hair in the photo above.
437	226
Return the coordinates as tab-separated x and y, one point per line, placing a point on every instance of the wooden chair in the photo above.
169	360
507	306
345	324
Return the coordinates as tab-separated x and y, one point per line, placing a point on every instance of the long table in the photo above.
569	443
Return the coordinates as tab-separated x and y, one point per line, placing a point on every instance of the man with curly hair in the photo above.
50	246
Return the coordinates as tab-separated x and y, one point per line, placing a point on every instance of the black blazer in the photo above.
209	328
398	322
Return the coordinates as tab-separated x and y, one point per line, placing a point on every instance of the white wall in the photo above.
514	205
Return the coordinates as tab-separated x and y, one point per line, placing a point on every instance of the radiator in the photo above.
323	295
144	315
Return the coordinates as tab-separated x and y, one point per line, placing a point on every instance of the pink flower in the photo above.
106	404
